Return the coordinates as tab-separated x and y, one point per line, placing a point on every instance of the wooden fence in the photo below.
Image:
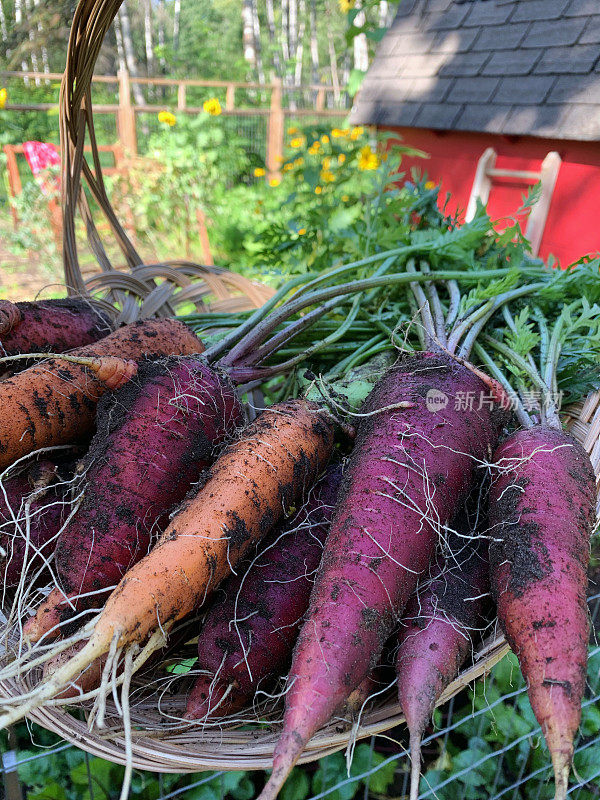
325	102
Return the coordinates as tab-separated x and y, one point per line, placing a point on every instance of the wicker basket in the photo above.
138	290
159	749
156	746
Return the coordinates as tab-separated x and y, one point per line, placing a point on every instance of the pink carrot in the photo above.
438	630
50	326
409	473
541	515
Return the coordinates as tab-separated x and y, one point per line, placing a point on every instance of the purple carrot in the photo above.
437	631
50	326
541	514
154	438
269	600
409	474
46	515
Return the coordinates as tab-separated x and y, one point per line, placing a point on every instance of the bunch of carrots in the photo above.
392	507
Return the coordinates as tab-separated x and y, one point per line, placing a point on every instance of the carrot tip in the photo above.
415	769
288	751
561	764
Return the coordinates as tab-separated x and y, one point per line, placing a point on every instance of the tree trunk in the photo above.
148	37
335	81
293	26
119	40
43	48
3	25
18	23
285	46
257	46
161	35
300	47
176	15
248	35
386	14
275	60
361	47
138	95
314	43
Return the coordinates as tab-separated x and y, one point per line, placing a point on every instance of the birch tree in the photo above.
3	26
257	45
148	37
314	42
360	44
300	44
176	18
275	60
248	34
130	54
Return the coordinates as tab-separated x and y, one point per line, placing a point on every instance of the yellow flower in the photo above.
327	176
297	142
168	118
212	106
274	182
288	167
326	162
3	96
314	148
356	133
430	185
302	231
260	172
325	139
299	162
341	158
318	189
345	198
292	131
279	159
345	5
367	159
339	133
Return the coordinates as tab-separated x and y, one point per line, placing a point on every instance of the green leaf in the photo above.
376	35
182	667
297	786
103	773
587	762
380	781
52	791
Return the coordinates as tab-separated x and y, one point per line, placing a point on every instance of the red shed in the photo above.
513	79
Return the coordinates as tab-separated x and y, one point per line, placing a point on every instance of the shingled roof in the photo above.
503	66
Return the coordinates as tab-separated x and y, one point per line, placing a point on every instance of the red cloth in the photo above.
40	156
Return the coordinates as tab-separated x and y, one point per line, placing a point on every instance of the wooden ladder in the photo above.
487	171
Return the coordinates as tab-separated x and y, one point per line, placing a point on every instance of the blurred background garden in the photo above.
223	130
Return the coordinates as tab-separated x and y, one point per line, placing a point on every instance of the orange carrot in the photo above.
256	481
54	403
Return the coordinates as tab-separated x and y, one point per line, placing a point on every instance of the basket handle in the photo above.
91	21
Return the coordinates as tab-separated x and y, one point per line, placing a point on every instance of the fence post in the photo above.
320	104
181	97
126	115
230	97
275	132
